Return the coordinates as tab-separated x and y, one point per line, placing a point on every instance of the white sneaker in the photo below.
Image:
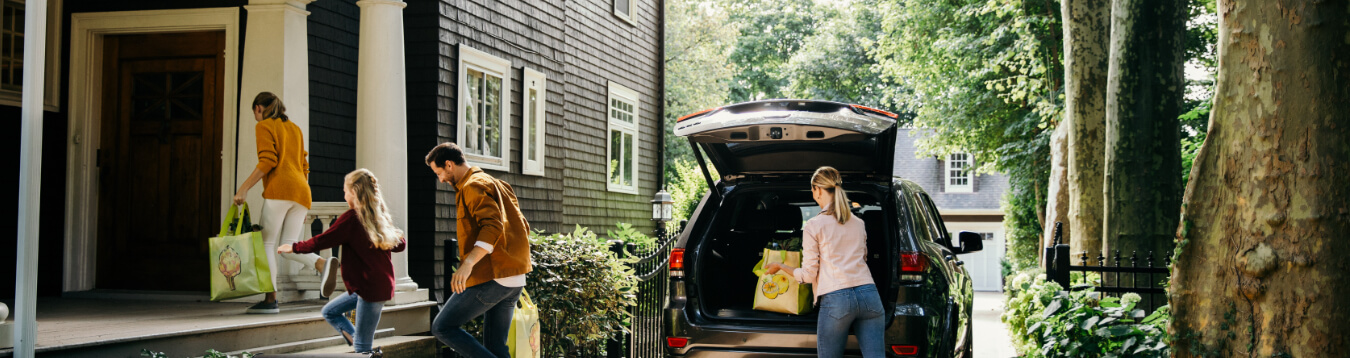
328	278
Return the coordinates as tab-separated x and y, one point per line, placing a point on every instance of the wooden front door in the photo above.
159	160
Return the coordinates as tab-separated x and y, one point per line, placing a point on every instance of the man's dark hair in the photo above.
443	152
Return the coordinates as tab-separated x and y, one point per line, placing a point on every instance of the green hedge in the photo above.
1046	321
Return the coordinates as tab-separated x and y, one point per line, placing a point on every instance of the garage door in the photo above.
985	271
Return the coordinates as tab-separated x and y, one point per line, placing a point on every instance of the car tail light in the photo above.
912	262
905	350
676	262
677	342
912	266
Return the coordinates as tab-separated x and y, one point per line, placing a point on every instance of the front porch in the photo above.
117	325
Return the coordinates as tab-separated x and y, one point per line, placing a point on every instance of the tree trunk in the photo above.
1143	150
1086	26
1057	199
1264	266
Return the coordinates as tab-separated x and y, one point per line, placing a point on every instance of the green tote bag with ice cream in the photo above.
238	259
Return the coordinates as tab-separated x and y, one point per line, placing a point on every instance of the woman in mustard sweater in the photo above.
284	171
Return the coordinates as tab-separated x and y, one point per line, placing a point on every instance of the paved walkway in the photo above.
991	336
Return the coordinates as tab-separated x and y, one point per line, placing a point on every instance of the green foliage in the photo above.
583	291
985	78
699	39
210	353
771	32
1190	145
834	63
686	188
1045	321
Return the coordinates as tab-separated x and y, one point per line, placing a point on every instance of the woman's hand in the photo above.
285	249
239	198
773	268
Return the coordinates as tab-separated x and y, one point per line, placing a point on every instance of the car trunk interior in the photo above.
750	220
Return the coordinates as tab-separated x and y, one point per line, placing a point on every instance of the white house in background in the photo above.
967	202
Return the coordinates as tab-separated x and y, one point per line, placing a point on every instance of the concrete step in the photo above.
396	346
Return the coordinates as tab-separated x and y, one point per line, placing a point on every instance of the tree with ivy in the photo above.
984	77
1261	259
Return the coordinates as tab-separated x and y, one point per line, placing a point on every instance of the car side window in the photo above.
916	214
938	225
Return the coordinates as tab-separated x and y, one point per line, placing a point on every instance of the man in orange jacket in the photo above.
494	233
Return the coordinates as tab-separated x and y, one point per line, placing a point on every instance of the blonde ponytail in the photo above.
370	210
828	178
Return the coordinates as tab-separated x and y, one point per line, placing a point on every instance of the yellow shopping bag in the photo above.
780	292
523	337
238	259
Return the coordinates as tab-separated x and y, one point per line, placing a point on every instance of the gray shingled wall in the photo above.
579	46
927	172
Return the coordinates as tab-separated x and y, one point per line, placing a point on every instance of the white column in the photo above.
381	119
276	59
30	178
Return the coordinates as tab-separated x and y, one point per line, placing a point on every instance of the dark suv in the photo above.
764	154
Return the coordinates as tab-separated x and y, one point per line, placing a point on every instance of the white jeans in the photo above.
283	221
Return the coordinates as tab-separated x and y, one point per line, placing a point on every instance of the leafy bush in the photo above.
686	188
583	291
1045	321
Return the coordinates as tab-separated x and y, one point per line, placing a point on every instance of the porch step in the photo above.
397	346
121	329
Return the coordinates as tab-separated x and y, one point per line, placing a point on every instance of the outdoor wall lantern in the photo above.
661	206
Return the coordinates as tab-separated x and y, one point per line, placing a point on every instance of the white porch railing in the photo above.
295	282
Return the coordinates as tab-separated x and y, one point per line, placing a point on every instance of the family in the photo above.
495	250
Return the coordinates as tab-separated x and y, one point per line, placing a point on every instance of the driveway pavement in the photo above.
991	336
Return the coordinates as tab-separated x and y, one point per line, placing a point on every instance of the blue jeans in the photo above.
858	308
496	303
367	317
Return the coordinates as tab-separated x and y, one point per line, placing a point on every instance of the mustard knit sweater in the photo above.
281	154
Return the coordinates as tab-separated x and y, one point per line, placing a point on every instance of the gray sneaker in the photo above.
328	278
264	308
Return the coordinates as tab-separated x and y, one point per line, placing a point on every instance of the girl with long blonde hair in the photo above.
368	238
834	260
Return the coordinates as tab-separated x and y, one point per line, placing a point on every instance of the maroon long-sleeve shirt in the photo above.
366	270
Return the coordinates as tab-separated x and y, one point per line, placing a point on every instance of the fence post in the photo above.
1061	271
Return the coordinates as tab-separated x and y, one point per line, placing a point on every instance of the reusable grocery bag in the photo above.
523	338
238	259
780	292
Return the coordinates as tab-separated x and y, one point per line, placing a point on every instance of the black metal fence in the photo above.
644	338
1143	275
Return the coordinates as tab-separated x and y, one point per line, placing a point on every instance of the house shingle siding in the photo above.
927	171
333	38
579	46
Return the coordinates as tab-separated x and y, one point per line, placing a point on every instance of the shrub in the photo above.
686	188
582	289
1045	321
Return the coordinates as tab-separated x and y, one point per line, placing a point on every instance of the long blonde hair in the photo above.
370	209
827	178
272	106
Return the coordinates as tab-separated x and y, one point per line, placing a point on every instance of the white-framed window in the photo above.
484	109
532	141
958	177
622	156
625	9
12	22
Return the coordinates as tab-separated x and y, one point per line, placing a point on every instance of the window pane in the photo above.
471	111
615	153
492	107
628	149
621	6
531	125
